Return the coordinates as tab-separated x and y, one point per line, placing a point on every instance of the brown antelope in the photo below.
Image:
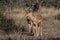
34	19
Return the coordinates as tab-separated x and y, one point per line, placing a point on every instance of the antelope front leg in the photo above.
37	30
29	27
34	30
41	29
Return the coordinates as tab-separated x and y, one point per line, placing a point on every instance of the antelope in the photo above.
34	19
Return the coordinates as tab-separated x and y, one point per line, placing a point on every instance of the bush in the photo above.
7	24
58	17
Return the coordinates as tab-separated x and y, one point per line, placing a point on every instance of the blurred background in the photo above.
13	21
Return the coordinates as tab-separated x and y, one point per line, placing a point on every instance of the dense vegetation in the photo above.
5	4
22	3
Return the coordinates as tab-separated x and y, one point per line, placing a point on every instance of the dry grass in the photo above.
51	26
